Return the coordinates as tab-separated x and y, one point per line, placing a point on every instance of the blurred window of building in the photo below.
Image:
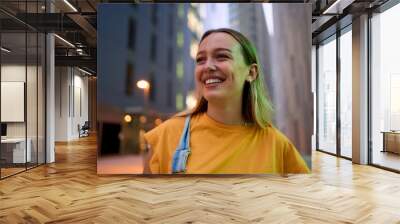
154	14
170	59
179	39
129	80
170	93
153	48
131	34
179	101
179	70
153	88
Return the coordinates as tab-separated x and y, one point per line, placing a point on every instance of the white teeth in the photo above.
209	81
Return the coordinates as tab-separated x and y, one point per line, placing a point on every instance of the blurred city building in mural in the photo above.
152	43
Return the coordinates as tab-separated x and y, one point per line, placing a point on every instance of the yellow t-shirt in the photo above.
218	148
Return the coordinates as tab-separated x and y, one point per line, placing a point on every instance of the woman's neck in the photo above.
230	114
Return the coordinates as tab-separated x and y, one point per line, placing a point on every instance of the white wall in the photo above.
71	94
61	103
12	73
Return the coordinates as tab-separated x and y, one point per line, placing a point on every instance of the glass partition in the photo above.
22	91
13	108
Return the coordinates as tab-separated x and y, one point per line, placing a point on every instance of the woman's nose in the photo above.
210	65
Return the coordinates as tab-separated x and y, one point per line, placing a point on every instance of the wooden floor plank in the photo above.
70	191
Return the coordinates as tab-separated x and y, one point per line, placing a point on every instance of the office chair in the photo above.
84	130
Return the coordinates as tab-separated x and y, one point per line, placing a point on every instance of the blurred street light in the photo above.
145	85
142	119
127	118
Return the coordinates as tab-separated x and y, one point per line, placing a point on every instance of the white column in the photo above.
360	90
50	108
50	92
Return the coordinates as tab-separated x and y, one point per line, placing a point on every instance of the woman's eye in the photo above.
199	60
222	56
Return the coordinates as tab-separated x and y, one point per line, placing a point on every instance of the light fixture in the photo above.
84	71
71	6
143	84
330	7
5	50
337	7
64	40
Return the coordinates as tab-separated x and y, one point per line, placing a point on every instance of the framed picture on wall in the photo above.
12	101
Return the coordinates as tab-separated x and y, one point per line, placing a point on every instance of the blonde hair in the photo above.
256	106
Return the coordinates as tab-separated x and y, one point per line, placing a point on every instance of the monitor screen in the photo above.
3	129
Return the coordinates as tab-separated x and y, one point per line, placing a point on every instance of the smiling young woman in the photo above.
229	131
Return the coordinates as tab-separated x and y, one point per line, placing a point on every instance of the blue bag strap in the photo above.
182	151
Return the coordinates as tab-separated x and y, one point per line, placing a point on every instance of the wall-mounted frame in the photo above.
12	101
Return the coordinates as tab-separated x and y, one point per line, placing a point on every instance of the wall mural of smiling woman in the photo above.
230	129
228	88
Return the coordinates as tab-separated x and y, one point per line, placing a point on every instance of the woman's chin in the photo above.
214	96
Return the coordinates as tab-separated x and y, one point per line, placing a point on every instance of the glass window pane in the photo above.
385	89
346	94
327	96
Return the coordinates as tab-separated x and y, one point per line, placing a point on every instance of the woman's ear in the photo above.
253	73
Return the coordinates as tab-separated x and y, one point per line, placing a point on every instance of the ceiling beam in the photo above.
86	26
83	61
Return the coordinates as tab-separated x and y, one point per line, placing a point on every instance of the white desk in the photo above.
18	149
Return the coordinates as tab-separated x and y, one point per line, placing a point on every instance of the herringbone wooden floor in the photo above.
70	191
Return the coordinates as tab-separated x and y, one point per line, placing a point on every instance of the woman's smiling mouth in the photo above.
211	81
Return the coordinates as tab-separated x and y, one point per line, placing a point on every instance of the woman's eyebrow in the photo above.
223	49
215	50
199	53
